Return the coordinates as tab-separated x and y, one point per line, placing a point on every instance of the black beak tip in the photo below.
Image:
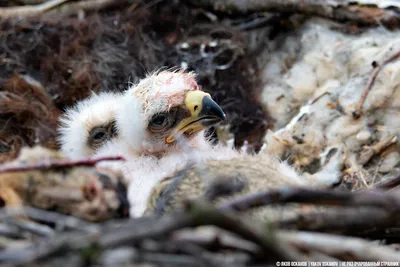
212	109
223	117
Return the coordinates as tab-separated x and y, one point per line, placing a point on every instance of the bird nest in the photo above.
292	85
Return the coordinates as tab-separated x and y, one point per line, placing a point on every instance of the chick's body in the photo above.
222	180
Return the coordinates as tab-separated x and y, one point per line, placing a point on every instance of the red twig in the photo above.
58	164
377	68
390	184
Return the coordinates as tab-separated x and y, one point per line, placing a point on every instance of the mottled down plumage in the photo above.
222	180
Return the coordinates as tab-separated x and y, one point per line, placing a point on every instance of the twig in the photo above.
58	164
31	2
390	184
170	259
193	249
32	227
215	238
61	221
57	7
87	5
199	214
340	10
31	10
208	215
313	196
340	246
10	231
377	68
131	232
349	221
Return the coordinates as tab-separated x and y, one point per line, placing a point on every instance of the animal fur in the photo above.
149	157
77	122
222	180
85	192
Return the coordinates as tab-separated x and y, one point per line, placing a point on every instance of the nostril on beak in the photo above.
195	107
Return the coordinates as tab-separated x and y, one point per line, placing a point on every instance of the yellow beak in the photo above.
204	112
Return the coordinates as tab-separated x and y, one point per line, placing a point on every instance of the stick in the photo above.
369	151
60	220
390	184
31	10
32	227
55	7
58	164
340	246
87	5
198	214
132	231
349	221
340	10
377	68
313	196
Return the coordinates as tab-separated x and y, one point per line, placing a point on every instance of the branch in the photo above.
334	9
389	184
31	227
31	10
349	221
215	238
61	221
198	214
58	6
369	151
207	215
340	246
88	6
377	68
313	196
58	164
132	231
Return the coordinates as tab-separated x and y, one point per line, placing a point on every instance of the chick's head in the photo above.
165	110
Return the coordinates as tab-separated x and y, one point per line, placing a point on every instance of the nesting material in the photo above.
315	82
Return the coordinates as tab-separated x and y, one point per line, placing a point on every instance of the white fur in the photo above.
148	160
131	121
143	172
77	121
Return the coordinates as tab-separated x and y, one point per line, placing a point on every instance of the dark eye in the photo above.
114	129
159	120
2	202
162	121
99	134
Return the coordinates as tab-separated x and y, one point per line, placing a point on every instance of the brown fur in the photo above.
81	191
